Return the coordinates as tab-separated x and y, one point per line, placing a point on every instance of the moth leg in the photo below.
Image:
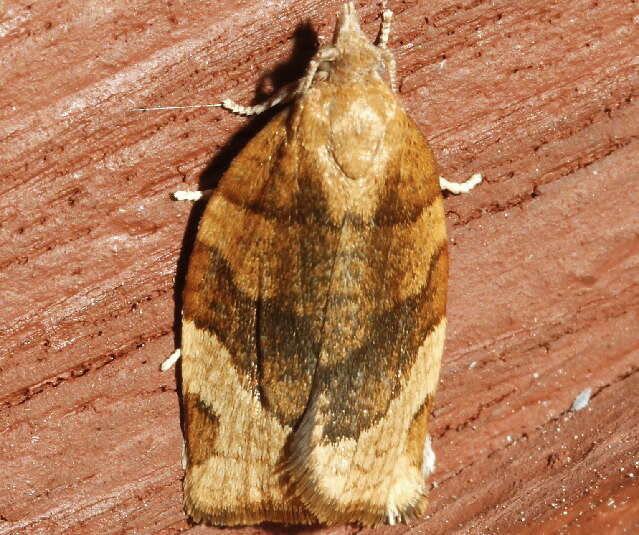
171	360
382	43
185	195
428	458
460	187
324	54
185	459
393	516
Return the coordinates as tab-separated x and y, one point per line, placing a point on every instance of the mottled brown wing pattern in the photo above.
241	397
353	455
314	310
284	306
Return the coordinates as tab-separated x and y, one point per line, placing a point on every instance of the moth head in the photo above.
351	55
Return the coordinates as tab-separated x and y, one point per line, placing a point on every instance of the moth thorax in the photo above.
355	54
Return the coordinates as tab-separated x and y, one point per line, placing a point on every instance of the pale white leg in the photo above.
460	187
185	461
384	32
185	195
324	54
428	459
171	360
393	515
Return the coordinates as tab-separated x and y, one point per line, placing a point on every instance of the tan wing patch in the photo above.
378	476
238	481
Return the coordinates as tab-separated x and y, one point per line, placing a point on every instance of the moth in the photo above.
315	306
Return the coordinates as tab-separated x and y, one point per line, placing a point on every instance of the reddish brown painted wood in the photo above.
539	96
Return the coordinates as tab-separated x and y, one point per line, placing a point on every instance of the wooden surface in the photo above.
539	96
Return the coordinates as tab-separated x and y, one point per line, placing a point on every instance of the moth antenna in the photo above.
154	108
285	94
382	43
391	66
460	187
227	104
384	30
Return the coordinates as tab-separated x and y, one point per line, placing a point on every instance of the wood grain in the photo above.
544	286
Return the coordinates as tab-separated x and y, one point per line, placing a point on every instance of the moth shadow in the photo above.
305	45
280	529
